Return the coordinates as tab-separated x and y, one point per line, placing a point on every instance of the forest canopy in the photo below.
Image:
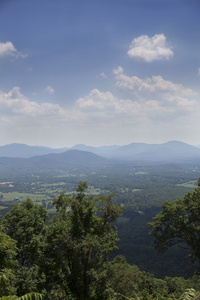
179	223
71	257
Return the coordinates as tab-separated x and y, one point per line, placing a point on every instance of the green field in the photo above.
189	184
43	194
11	196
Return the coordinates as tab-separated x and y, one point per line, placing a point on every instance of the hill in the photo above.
68	159
65	161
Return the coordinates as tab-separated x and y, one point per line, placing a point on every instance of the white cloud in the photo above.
104	105
160	99
9	49
99	117
49	90
144	48
198	72
22	120
15	104
163	90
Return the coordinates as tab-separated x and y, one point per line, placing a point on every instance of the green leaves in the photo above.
80	240
190	294
179	222
30	296
25	224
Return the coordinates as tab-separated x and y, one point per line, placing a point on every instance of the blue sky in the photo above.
99	72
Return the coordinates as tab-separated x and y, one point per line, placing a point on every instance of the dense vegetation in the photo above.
71	255
140	188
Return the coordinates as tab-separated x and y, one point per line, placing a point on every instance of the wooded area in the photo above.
70	256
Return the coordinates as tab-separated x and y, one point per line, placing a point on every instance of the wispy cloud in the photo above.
148	49
103	75
49	90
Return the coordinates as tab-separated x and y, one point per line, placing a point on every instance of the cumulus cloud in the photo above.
49	90
105	105
15	103
155	85
8	49
100	113
160	99
148	49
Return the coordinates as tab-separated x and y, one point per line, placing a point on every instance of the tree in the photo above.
7	263
25	224
80	241
177	223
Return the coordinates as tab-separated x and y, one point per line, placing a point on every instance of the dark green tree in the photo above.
179	223
7	263
25	224
80	240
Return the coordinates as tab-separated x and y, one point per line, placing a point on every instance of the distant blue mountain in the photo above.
25	151
102	151
170	151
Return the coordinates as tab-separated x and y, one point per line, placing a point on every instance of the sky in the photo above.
99	72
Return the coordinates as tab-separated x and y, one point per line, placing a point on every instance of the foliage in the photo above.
80	240
177	223
25	224
190	294
71	257
7	262
30	296
7	250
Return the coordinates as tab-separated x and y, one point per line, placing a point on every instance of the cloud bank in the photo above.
134	109
100	113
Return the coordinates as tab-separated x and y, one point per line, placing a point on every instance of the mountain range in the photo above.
15	158
26	151
172	150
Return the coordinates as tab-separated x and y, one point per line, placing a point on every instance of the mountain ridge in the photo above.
171	150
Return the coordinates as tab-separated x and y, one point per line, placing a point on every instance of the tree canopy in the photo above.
81	238
179	223
25	224
71	256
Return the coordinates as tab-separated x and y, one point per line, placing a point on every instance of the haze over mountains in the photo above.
25	151
23	159
172	150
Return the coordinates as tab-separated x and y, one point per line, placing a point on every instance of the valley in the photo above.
140	187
